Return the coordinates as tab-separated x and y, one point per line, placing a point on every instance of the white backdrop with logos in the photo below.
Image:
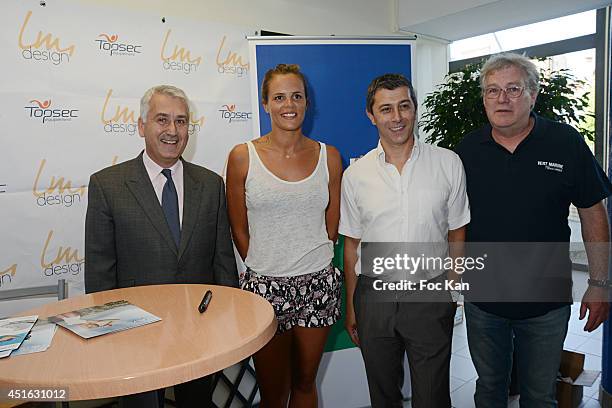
72	77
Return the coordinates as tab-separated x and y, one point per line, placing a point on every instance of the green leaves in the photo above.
455	107
562	98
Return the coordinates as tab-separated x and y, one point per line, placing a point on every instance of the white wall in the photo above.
312	17
458	19
297	17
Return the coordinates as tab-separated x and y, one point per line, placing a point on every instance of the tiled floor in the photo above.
463	373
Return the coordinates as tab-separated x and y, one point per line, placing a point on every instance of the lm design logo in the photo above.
179	59
62	260
42	47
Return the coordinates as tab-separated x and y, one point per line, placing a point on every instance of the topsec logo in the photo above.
109	44
44	47
179	59
7	275
229	62
42	110
231	114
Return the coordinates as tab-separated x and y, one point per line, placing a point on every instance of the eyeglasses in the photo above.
511	92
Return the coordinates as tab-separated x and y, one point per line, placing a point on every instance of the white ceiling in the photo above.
457	19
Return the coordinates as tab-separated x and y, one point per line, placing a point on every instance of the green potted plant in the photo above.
455	107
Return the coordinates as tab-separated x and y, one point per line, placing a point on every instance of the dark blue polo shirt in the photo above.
525	196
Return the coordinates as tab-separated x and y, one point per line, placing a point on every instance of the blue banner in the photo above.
338	76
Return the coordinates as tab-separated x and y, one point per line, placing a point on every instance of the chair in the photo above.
61	290
235	396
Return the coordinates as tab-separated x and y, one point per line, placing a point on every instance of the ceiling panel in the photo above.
457	19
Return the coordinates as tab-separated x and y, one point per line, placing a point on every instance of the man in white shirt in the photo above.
410	192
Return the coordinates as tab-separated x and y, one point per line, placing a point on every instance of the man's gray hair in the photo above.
163	90
510	59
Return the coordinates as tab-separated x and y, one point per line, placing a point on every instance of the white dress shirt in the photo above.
159	180
421	204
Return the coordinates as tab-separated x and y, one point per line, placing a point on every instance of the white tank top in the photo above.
287	230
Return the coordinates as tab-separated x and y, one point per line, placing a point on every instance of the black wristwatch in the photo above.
606	283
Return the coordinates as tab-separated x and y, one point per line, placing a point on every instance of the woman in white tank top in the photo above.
283	198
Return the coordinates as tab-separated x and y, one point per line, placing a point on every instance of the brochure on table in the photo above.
39	339
107	318
13	331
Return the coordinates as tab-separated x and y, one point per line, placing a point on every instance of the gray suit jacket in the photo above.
128	241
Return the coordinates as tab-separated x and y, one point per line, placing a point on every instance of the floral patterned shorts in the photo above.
311	300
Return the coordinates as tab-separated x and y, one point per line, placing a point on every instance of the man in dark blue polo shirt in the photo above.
523	172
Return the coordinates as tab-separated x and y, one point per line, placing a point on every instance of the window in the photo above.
563	28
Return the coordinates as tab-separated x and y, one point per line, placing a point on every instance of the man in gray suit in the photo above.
158	219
